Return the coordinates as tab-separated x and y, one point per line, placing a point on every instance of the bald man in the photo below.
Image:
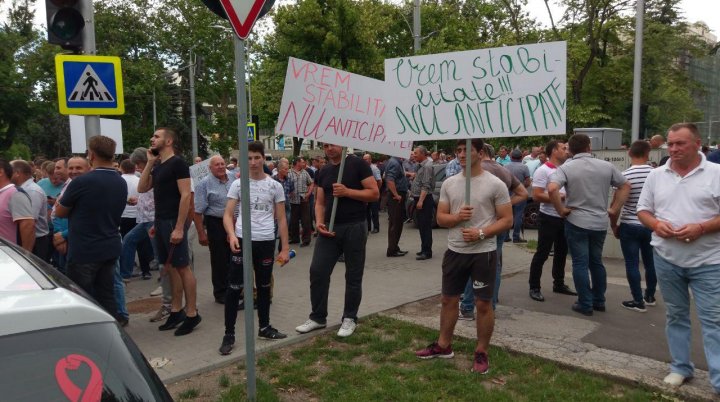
210	199
657	141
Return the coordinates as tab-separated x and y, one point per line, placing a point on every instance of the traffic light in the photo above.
66	22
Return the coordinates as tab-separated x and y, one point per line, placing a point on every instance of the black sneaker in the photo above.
634	306
173	320
649	300
270	333
228	343
188	325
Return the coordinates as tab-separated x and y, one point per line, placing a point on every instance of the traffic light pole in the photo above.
92	123
245	213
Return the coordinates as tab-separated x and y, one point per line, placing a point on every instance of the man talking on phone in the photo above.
169	175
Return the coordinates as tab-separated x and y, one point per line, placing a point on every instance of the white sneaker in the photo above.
308	326
347	328
156	292
675	379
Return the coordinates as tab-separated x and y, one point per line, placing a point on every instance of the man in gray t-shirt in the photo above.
587	183
522	173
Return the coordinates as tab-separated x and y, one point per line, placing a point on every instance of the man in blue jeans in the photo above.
680	203
522	173
634	237
587	183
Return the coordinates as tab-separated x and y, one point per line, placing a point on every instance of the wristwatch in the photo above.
481	234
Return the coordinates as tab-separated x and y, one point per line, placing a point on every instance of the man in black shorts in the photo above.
169	175
93	204
471	251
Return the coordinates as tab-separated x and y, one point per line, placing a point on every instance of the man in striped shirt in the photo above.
634	237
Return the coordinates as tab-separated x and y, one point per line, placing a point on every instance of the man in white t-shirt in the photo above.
267	205
680	202
551	226
128	220
471	251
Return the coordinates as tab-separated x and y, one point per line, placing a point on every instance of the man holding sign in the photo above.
356	188
471	251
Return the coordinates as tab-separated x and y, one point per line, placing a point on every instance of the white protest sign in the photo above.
199	170
499	92
108	127
325	104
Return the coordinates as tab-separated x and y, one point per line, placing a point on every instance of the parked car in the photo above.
57	344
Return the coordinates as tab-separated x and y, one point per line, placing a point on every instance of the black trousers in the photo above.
263	254
219	255
551	231
97	279
300	213
43	247
373	215
396	217
350	239
424	224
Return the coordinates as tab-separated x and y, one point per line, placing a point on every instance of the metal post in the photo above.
339	181
637	71
245	213
249	90
92	123
193	117
154	112
416	27
468	169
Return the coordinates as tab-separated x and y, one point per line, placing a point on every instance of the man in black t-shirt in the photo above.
93	204
349	236
169	176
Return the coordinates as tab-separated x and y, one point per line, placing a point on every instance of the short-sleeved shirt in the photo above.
167	195
532	164
541	178
587	184
424	179
132	185
50	189
394	172
96	201
636	176
499	171
453	167
376	172
211	195
301	181
15	205
520	171
348	210
503	161
694	198
39	206
486	193
264	194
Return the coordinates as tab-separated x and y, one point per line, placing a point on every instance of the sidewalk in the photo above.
619	342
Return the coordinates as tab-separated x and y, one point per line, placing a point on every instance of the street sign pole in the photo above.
245	213
92	123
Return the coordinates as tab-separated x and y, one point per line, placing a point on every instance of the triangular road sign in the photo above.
242	14
90	88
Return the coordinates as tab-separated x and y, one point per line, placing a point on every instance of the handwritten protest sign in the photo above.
325	104
199	170
498	92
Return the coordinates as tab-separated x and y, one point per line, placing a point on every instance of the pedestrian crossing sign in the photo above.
89	85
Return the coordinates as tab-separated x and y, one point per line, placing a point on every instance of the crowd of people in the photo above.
90	216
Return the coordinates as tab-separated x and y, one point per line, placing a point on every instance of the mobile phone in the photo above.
154	151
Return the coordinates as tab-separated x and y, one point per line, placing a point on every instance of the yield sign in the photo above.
242	14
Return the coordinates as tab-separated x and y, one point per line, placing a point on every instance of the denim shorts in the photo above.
180	256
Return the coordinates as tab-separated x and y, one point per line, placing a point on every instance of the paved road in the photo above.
392	282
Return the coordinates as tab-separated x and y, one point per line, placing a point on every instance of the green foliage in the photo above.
190	393
17	151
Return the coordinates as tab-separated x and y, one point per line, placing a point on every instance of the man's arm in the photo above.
320	213
27	233
281	219
449	220
520	194
504	222
554	193
392	188
229	224
621	195
369	193
145	184
183	209
198	219
61	211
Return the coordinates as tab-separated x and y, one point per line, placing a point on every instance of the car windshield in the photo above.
12	276
92	362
